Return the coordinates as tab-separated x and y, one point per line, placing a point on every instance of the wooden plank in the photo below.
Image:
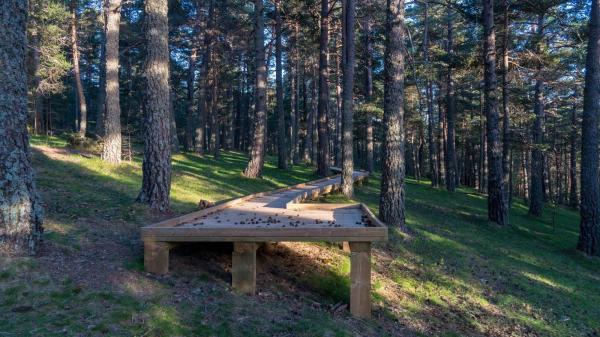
328	207
266	234
374	220
156	256
360	279
243	267
223	205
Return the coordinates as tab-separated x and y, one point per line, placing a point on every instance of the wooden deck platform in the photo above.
275	216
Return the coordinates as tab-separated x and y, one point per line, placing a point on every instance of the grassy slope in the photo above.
456	275
523	279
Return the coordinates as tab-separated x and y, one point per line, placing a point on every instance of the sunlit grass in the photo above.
526	277
456	274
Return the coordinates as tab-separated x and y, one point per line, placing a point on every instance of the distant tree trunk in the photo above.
368	90
431	142
20	206
111	149
573	199
191	80
450	115
323	108
257	153
101	107
391	202
348	14
295	140
156	180
536	198
589	235
497	208
483	163
173	126
291	122
76	72
204	78
282	151
506	159
314	100
338	101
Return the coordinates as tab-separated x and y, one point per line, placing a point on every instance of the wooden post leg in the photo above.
360	279
346	246
243	267
156	257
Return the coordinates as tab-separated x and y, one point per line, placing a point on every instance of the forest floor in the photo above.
454	275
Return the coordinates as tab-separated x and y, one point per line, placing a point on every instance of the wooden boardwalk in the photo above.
278	215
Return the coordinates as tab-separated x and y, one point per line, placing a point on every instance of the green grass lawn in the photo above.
454	275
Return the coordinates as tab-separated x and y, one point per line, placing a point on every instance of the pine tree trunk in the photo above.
111	149
101	107
204	78
282	151
191	80
156	180
338	101
20	206
536	197
497	207
431	142
257	153
314	100
391	202
173	126
450	116
506	159
296	93
368	49
76	72
573	198
348	15
589	235
323	105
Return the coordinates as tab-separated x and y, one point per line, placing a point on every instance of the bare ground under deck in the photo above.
275	216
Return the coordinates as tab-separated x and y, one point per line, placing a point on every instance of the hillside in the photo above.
455	274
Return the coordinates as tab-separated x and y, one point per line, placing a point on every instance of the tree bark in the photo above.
431	142
257	153
506	159
497	208
191	81
204	80
338	100
450	115
314	133
111	149
282	151
156	180
101	107
589	235
348	16
536	198
76	72
323	108
296	93
20	206
573	198
368	89
391	202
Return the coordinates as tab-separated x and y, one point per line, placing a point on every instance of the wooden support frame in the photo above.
243	267
161	237
156	256
360	279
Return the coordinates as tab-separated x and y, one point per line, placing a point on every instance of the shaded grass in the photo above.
523	279
457	275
